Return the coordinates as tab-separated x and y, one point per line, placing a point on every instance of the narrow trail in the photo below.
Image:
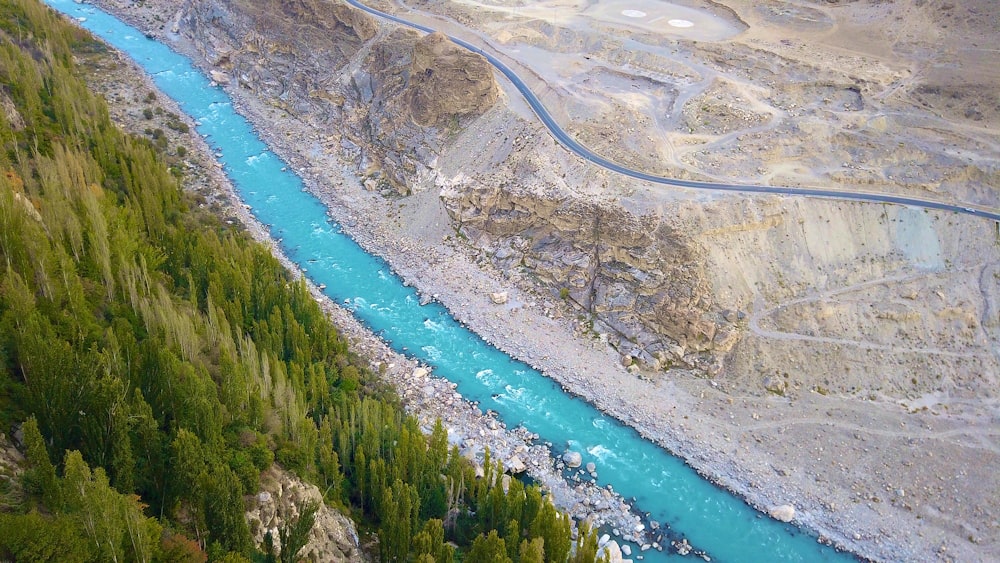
980	433
761	311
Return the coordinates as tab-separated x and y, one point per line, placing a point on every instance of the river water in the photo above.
712	519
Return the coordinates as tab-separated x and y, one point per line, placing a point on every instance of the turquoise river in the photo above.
713	520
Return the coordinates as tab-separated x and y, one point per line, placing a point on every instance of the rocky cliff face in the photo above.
281	498
388	96
626	264
636	276
398	102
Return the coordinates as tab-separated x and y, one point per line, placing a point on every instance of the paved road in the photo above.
564	139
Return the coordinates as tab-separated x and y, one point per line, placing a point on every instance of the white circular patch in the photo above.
633	14
680	23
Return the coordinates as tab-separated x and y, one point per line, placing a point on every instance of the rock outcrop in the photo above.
282	496
638	277
387	96
447	81
10	112
11	461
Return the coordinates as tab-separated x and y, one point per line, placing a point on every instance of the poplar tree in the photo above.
489	548
532	551
294	535
41	474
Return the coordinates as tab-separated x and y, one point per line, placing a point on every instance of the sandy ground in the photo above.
869	473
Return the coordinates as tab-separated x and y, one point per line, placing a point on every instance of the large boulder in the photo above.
612	551
783	512
775	384
572	459
515	465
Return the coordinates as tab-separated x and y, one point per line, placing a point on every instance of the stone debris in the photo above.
682	546
612	551
219	77
515	465
572	459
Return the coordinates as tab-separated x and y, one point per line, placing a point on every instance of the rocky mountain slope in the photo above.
281	500
390	100
396	102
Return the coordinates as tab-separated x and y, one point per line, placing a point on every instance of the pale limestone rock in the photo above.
682	547
612	550
333	536
783	512
515	465
219	77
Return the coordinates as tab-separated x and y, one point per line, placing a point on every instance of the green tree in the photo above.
41	475
294	535
489	549
34	538
399	509
430	541
586	546
224	509
114	522
553	527
328	463
532	551
187	466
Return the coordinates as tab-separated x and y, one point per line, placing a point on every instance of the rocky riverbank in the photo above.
425	396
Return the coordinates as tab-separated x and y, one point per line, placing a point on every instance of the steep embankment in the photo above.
397	102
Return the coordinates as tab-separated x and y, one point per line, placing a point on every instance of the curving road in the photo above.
564	139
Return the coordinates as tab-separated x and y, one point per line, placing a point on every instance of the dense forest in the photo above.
156	360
